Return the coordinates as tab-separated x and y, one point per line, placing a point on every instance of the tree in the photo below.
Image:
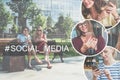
59	24
39	20
5	17
64	25
49	22
26	9
14	29
49	27
68	24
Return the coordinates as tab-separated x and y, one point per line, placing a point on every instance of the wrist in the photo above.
109	77
83	48
94	78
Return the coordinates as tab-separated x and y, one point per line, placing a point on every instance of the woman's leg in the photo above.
47	51
32	51
29	60
36	57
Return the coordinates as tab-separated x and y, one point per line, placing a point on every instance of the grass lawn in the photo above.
60	40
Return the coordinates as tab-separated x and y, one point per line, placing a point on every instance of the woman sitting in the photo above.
41	39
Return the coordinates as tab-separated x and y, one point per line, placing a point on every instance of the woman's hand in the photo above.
93	44
96	73
111	8
107	74
88	43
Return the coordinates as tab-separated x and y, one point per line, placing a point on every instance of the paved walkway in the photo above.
88	74
71	69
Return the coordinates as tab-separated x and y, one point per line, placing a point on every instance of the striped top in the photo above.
114	70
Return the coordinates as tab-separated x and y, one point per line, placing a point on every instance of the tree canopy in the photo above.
26	9
5	17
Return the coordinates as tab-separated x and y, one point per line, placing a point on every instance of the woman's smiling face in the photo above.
25	31
107	53
88	3
83	27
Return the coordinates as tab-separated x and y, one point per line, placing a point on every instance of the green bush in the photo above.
71	51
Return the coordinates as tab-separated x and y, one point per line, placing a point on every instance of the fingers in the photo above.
91	43
96	72
94	43
111	8
106	72
111	4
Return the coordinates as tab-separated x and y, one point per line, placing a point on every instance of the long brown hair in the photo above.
98	4
118	42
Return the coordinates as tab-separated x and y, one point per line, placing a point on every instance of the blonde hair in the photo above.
35	34
113	50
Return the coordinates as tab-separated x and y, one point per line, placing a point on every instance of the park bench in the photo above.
53	50
11	63
3	43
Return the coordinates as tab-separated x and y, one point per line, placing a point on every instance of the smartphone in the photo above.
95	67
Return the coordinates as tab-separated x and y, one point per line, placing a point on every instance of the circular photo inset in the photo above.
114	37
104	11
105	66
89	37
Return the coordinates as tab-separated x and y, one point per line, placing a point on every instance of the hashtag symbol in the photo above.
7	48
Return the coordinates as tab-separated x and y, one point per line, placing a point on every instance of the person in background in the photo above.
110	68
25	40
40	38
102	11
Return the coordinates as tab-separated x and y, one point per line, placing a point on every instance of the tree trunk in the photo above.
22	22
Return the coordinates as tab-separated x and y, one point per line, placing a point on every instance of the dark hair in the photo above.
25	28
85	11
98	4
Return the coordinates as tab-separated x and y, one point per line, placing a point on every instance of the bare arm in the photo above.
40	38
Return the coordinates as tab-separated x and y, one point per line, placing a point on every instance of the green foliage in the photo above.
49	21
39	20
20	6
1	59
5	17
64	25
32	11
71	51
59	24
26	9
49	26
14	29
68	24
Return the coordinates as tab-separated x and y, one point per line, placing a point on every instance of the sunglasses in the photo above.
39	30
25	30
